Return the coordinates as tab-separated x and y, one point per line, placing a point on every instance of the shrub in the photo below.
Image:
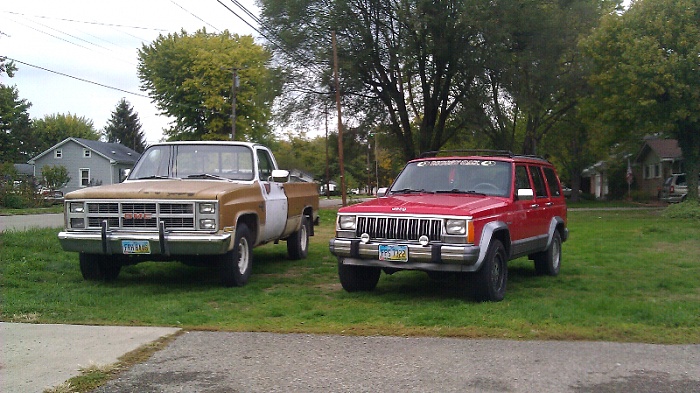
687	209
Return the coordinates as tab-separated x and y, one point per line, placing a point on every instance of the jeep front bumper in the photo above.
433	257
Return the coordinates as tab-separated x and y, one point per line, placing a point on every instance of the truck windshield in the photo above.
209	162
457	176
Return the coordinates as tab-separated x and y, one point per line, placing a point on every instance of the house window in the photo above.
657	170
87	153
58	153
84	177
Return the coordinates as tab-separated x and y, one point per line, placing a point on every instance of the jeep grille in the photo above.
399	228
141	215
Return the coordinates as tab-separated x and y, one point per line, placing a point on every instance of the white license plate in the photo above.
136	247
393	253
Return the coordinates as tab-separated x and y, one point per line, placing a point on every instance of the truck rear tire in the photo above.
298	242
358	278
236	265
95	267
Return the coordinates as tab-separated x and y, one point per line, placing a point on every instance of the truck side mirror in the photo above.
279	176
381	192
525	194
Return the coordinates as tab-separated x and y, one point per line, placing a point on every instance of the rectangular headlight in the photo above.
346	222
207	208
207	223
456	227
77	207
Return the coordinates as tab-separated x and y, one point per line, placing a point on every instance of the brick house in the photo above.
657	160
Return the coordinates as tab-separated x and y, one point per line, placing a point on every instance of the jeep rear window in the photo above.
487	177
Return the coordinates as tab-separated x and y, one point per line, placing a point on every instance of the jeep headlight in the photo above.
346	222
456	227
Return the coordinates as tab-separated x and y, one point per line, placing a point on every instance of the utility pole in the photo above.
340	124
234	87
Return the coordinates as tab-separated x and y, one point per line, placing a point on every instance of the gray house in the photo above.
89	163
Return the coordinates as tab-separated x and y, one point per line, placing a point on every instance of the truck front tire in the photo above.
298	242
236	265
95	267
358	278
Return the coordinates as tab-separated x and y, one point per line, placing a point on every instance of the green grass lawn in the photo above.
626	276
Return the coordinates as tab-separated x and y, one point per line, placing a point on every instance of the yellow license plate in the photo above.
393	253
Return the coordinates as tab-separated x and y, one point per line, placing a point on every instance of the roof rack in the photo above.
483	152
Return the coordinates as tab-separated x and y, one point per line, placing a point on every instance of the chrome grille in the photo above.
141	215
399	228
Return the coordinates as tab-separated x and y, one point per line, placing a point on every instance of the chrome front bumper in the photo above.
161	243
433	257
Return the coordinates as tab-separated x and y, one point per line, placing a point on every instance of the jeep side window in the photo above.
522	180
552	182
538	180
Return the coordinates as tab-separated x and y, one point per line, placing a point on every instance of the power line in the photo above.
76	78
189	12
85	22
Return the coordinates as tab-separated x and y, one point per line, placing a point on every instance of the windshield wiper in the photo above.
457	191
153	177
411	191
206	176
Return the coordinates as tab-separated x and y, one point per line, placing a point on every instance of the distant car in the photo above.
675	189
53	197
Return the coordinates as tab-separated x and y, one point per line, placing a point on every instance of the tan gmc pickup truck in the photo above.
200	203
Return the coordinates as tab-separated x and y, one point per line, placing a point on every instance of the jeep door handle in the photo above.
549	204
535	206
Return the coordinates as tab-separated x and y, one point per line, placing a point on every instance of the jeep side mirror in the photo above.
525	194
279	176
381	192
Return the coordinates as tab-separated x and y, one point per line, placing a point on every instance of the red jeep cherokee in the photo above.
459	214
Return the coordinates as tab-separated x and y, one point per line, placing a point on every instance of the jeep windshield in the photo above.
455	176
195	161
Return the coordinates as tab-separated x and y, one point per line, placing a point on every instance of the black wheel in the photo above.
298	242
490	281
548	262
235	266
358	278
95	267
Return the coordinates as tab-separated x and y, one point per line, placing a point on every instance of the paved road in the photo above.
23	222
264	362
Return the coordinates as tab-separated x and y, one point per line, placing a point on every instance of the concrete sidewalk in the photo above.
38	357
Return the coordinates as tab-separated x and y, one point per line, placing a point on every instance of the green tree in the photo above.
124	127
646	75
14	119
15	126
52	129
190	78
54	176
404	65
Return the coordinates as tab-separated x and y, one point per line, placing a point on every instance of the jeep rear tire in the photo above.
490	281
298	242
358	278
548	262
235	266
95	267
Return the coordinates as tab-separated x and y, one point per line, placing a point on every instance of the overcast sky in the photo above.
65	42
